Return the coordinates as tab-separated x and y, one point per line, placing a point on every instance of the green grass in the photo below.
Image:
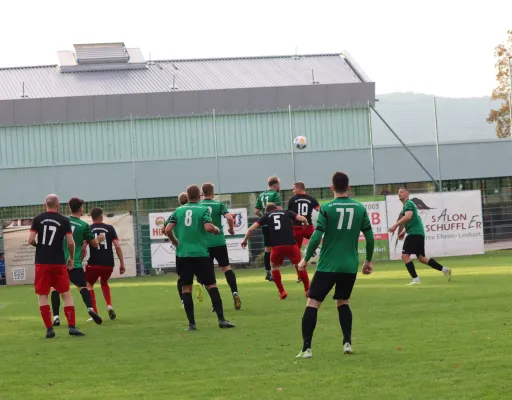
437	341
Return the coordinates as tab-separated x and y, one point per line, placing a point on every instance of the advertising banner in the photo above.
452	222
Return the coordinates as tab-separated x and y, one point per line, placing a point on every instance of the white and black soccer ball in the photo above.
300	142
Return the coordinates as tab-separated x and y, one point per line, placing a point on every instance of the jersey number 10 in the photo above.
342	215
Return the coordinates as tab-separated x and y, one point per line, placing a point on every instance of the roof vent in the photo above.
101	57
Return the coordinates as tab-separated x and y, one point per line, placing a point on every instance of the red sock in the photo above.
305	279
46	314
69	311
276	274
297	270
105	288
93	298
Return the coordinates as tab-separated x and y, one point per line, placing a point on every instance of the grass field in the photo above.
436	341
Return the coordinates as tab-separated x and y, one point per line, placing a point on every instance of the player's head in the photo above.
299	188
208	190
183	199
274	183
340	183
97	215
193	194
403	193
270	207
76	205
52	202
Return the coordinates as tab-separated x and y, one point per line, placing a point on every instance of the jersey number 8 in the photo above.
188	218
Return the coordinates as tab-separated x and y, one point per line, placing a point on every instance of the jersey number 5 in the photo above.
277	222
342	215
188	218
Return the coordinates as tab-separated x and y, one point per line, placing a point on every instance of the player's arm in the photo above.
402	221
83	253
91	239
370	243
290	204
71	248
31	240
299	218
315	205
316	238
208	223
229	218
252	228
119	252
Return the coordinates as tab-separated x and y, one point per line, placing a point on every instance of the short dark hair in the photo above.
183	198
96	213
208	189
193	193
273	180
300	185
340	182
270	207
404	188
75	203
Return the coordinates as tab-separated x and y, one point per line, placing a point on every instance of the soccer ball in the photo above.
300	142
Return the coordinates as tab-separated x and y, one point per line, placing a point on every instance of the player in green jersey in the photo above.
340	222
217	243
415	240
271	195
191	224
81	233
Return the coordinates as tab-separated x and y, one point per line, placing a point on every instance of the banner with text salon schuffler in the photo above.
452	221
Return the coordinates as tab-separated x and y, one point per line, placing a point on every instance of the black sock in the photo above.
411	269
308	326
180	288
55	303
231	279
216	302
188	304
434	264
345	316
267	262
86	297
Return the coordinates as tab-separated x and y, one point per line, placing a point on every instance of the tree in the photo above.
501	116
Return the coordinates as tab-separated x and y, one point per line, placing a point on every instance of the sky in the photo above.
435	47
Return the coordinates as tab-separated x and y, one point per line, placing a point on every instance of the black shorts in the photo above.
178	266
266	236
220	253
201	267
323	282
77	277
414	244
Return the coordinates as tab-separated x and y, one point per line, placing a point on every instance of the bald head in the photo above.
52	202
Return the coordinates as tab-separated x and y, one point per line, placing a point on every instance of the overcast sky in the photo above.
435	47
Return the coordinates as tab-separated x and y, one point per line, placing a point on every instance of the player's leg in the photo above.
77	277
55	299
321	285
344	285
299	238
187	278
408	249
179	283
60	281
276	260
295	256
205	272
430	261
220	253
268	250
91	276
105	274
42	287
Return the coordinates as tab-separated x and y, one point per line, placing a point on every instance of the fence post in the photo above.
291	141
219	191
372	155
138	232
437	144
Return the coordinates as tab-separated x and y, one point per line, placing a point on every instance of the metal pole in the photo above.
403	144
372	155
291	141
436	127
510	94
216	152
134	168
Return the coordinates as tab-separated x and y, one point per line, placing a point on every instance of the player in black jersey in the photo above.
303	204
280	239
51	230
101	260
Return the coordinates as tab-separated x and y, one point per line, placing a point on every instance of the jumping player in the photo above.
282	242
51	230
101	260
303	204
415	239
271	195
81	233
340	222
217	243
191	224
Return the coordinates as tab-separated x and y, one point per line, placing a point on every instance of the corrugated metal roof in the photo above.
187	75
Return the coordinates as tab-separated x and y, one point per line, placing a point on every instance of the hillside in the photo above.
411	116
